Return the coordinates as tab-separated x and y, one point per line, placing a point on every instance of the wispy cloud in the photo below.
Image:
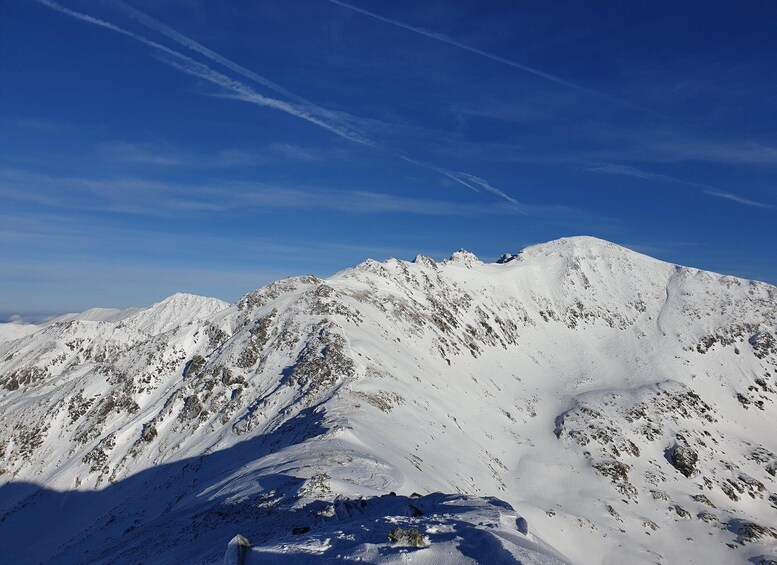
498	58
35	124
629	171
158	199
737	199
465	179
626	170
142	153
239	91
736	153
185	41
58	232
166	155
338	123
235	88
141	196
669	145
295	152
476	183
181	39
580	138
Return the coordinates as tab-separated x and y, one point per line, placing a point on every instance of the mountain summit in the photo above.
575	402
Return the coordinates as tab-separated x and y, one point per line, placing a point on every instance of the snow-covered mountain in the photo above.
578	402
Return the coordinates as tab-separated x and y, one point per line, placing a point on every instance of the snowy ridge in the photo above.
97	315
14	330
622	405
176	310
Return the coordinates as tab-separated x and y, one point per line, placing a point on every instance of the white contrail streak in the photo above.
737	199
627	170
160	27
509	62
170	33
239	90
472	181
242	92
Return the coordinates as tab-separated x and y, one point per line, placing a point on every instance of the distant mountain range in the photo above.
574	402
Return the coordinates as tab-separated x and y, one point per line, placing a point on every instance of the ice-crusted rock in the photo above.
748	532
684	459
763	343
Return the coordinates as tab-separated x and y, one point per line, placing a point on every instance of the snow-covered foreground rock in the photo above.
624	407
433	529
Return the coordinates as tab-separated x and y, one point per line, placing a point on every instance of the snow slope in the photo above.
624	406
176	310
14	330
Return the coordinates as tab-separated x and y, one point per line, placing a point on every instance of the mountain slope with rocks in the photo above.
592	404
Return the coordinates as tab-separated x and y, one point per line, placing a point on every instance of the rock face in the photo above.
237	551
684	459
623	405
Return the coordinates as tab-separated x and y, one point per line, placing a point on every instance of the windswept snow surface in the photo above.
14	330
450	529
176	310
623	406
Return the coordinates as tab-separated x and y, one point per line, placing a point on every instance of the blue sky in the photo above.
150	147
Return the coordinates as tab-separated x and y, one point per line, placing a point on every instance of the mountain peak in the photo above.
175	310
576	243
465	258
587	248
424	260
180	296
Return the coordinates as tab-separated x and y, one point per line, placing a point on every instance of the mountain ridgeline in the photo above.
577	402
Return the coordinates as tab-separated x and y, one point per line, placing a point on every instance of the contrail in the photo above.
160	27
469	180
509	62
240	91
465	179
738	199
305	110
170	33
627	170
